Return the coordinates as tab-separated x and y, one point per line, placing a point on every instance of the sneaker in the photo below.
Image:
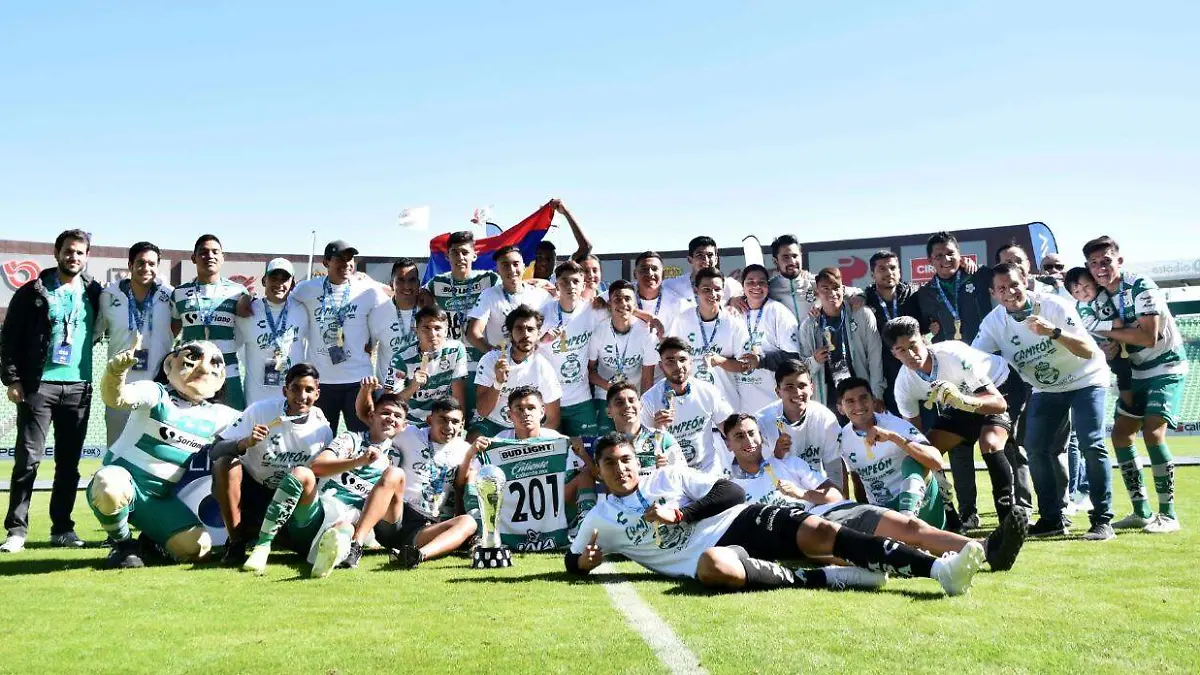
332	547
235	553
1131	522
1081	501
840	578
406	556
953	522
151	552
1006	541
350	562
1100	532
257	561
124	555
971	522
1161	524
67	539
14	543
1049	528
954	571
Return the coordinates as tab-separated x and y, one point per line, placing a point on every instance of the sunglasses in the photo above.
1057	267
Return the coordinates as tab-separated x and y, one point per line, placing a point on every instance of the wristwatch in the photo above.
1057	333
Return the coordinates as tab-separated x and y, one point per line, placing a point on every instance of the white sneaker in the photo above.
14	543
1161	524
954	571
1131	522
257	560
1081	501
332	548
840	578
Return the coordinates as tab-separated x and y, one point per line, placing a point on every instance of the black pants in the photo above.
67	405
339	399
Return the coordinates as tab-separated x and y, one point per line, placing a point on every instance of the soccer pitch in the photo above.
1068	606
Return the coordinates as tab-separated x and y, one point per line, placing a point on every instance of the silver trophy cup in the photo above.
490	553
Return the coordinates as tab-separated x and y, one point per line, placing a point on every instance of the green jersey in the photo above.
209	312
352	487
72	329
458	298
443	366
533	514
1137	297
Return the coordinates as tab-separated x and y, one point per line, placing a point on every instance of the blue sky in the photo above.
652	121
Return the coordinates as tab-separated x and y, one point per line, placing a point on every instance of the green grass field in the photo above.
1068	606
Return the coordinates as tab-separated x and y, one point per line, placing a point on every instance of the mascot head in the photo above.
196	370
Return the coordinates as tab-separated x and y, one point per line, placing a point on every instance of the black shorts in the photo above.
404	533
1124	373
766	532
256	497
970	425
862	518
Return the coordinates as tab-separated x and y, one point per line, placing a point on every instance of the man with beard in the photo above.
516	363
889	297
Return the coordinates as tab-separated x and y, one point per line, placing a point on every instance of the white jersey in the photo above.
769	328
698	411
881	467
430	469
667	307
569	356
682	286
391	329
338	326
495	304
262	373
290	443
762	486
119	318
674	550
725	335
624	353
955	362
535	371
814	438
1042	362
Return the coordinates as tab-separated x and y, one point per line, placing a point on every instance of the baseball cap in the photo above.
337	248
276	264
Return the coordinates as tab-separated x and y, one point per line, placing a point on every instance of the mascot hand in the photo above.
122	362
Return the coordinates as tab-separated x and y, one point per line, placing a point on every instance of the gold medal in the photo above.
780	425
280	362
137	341
829	340
562	340
957	329
207	333
424	360
771	474
341	338
670	399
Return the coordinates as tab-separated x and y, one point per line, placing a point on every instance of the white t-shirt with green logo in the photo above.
535	371
570	363
726	335
699	410
626	352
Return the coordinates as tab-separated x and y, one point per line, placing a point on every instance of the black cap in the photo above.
338	247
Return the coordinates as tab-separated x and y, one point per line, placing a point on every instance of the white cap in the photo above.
280	264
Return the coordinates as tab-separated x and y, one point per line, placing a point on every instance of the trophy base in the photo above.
491	558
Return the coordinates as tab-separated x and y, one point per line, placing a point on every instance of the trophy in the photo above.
490	553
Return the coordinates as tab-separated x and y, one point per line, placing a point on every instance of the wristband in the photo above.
1057	333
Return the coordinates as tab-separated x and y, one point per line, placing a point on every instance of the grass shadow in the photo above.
20	567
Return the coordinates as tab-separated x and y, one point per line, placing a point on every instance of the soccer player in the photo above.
659	306
330	506
274	335
339	340
570	322
718	341
683	523
1042	338
1158	366
485	331
655	448
206	309
890	456
253	456
840	342
770	328
432	367
515	364
787	481
702	255
545	257
393	325
689	408
797	426
887	298
621	350
130	310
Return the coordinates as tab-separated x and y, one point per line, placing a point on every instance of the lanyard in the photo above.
933	373
622	353
206	305
140	314
70	320
895	306
746	475
339	309
412	323
657	303
958	285
707	338
841	331
277	329
1121	300
754	340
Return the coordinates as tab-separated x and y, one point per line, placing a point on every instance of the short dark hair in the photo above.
901	326
830	274
505	250
882	254
546	245
734	420
647	254
700	242
140	248
1002	249
621	285
1099	244
72	235
755	268
1006	268
301	370
672	343
938	239
521	313
402	264
618	388
431	312
204	239
523	391
391	398
791	367
567	268
781	241
850	384
460	237
585	256
445	405
1074	275
611	440
707	273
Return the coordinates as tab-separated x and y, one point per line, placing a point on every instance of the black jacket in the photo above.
25	336
906	305
974	303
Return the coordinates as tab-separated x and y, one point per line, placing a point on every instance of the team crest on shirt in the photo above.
114	301
571	368
853	326
1045	374
444	362
970	288
688	449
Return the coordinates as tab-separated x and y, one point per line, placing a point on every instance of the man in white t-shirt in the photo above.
485	327
393	325
1042	338
770	328
570	322
702	255
717	338
274	335
622	349
797	426
515	364
690	409
656	305
339	341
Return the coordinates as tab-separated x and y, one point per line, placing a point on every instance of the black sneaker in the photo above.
1049	528
953	521
124	555
1005	542
971	522
150	552
1100	532
351	560
235	554
407	556
67	539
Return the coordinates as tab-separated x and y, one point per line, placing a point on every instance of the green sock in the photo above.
287	495
1132	476
1164	478
471	505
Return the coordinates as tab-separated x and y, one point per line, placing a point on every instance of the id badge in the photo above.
337	354
270	375
141	359
62	355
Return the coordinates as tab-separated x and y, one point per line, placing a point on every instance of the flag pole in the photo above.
312	249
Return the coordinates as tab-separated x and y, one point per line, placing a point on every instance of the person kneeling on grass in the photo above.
682	523
350	487
790	481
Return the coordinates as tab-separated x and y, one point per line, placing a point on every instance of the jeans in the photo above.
339	399
67	405
1077	481
1048	414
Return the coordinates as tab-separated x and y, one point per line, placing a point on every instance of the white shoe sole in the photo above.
962	571
331	550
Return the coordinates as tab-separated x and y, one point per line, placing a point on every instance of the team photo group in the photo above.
766	428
